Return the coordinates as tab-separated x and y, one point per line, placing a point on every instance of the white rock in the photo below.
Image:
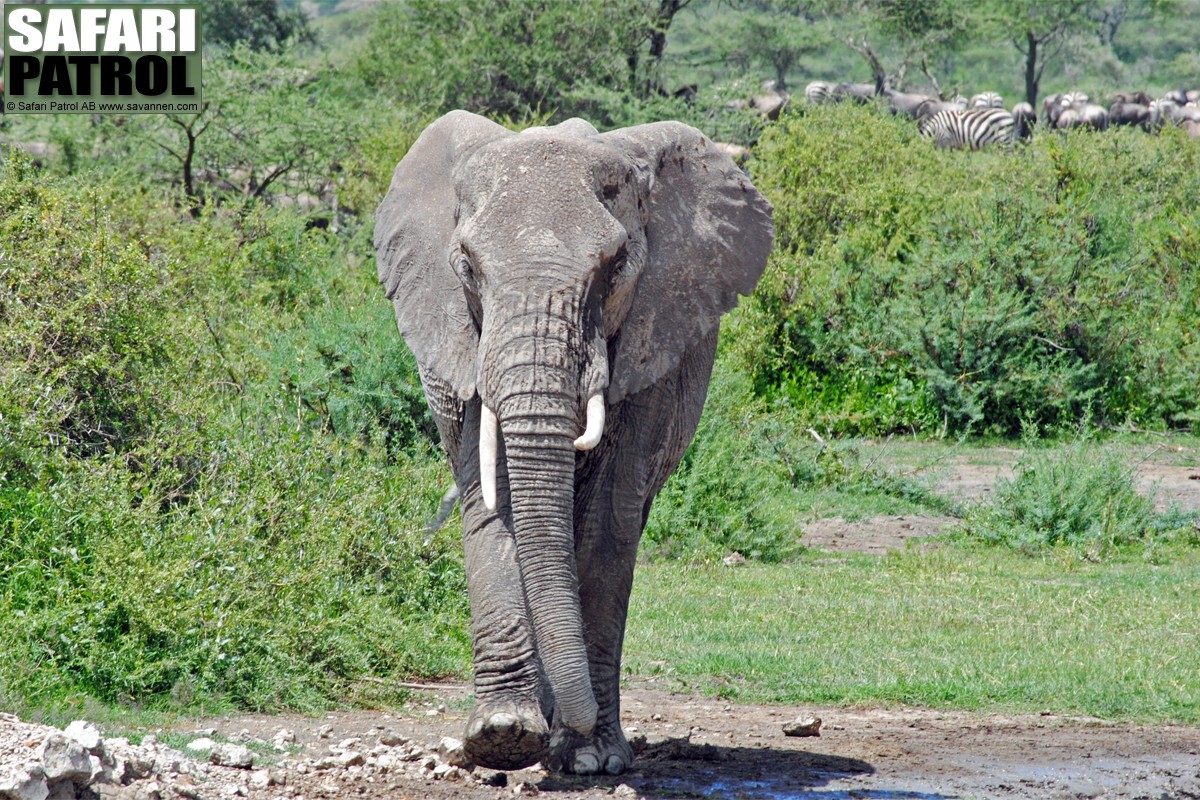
98	769
87	734
447	772
283	738
451	751
167	761
350	744
391	738
200	745
19	784
64	759
231	755
350	758
260	779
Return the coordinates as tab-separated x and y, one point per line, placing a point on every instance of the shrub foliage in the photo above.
922	290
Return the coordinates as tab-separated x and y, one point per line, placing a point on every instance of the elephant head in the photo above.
548	275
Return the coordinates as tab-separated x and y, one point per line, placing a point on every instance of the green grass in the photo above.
948	627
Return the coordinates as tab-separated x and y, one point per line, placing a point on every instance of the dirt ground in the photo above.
692	747
702	748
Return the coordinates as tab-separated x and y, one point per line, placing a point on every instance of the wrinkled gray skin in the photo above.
530	272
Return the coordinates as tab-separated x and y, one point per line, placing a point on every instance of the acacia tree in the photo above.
511	57
1039	29
919	29
774	34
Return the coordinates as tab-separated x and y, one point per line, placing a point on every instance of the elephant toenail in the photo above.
615	765
504	721
586	763
475	729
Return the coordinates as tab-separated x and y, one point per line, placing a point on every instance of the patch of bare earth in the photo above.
693	747
1168	484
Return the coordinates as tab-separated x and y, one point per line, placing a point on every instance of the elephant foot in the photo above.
604	752
506	735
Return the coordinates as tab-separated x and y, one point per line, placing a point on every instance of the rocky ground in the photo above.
688	747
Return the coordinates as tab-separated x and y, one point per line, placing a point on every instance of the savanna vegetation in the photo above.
216	466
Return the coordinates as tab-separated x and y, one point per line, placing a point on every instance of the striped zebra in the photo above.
818	92
972	129
987	100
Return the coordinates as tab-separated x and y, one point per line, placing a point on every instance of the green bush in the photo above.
930	291
731	493
83	338
215	466
1081	497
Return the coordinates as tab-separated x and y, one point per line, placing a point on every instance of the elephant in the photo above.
561	290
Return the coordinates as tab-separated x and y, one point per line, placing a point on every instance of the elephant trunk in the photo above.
532	399
541	475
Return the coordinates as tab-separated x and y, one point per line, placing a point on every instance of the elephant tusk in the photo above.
488	434
595	423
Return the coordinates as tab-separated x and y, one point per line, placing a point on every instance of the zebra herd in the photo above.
980	121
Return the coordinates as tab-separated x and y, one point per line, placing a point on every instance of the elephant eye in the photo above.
618	263
462	266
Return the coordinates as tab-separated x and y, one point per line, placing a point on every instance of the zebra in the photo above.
987	100
818	92
972	129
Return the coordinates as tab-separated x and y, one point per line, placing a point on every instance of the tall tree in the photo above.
1039	29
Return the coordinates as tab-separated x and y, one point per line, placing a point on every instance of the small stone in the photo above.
325	732
87	734
391	738
447	772
523	789
351	758
201	745
734	560
151	790
349	744
283	739
451	751
64	759
803	726
625	791
260	779
231	755
498	779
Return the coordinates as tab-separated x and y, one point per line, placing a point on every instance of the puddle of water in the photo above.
783	789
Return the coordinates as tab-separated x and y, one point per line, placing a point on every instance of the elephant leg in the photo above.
507	729
644	442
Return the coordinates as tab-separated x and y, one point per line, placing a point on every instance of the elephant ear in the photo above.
708	234
413	228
